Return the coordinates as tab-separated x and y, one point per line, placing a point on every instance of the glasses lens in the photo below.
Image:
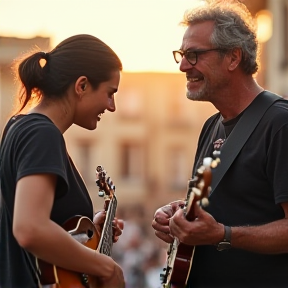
177	56
191	57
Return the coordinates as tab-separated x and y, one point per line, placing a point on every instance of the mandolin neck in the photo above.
106	240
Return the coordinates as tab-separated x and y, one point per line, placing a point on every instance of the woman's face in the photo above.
93	103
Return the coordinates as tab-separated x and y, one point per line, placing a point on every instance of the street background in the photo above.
147	146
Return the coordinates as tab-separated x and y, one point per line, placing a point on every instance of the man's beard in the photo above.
200	95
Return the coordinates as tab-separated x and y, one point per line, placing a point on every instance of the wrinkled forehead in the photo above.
198	35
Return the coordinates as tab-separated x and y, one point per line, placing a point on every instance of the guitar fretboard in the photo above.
106	240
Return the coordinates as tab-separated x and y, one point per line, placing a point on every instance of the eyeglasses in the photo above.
190	55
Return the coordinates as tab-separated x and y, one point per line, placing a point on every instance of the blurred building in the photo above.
147	146
272	21
10	48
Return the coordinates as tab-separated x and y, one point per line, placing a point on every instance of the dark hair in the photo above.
50	74
234	27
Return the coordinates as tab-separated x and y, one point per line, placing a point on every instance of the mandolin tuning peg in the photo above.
216	153
207	161
215	163
209	189
196	191
205	202
101	193
99	168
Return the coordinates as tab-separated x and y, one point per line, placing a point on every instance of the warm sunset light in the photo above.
142	33
265	27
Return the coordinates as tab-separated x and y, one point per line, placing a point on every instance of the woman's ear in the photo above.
235	58
81	85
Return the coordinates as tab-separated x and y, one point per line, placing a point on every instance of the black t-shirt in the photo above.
35	145
249	194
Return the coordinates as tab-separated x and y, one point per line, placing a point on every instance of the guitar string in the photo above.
107	234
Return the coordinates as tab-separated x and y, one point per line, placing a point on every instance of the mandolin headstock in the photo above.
199	187
105	184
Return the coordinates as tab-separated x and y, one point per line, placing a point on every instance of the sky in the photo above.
142	32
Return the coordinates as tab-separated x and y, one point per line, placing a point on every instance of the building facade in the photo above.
148	145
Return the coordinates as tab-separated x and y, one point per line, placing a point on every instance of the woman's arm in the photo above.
36	232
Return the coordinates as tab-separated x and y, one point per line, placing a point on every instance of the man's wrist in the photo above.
226	242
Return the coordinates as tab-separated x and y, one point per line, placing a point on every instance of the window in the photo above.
130	105
132	161
178	170
83	160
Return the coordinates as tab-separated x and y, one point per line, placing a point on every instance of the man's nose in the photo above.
184	65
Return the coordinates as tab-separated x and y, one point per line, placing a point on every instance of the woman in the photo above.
40	186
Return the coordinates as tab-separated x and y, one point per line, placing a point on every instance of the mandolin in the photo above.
84	231
180	255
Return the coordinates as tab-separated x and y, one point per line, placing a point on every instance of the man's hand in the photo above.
204	230
161	219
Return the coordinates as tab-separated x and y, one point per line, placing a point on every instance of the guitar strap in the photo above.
241	132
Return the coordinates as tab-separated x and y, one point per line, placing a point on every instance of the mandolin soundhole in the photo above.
90	233
84	237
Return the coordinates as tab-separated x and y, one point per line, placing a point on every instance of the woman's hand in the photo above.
112	277
117	224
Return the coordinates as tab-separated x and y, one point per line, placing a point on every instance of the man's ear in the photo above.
235	58
81	85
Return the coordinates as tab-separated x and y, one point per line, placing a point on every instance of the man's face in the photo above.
207	77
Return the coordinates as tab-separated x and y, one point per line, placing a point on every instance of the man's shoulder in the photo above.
278	99
212	119
279	107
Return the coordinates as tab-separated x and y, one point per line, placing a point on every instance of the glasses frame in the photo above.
195	52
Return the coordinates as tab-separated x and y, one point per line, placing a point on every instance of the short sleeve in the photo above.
41	149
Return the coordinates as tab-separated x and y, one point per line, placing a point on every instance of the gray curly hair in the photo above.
234	28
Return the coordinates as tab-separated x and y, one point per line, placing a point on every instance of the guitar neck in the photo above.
198	190
191	201
106	240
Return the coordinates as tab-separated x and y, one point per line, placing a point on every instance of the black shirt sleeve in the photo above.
41	149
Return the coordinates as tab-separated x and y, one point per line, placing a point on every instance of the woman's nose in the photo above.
111	105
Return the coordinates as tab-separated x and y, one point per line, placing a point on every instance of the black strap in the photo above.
241	132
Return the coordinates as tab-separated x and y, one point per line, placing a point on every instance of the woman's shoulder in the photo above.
33	122
30	118
33	128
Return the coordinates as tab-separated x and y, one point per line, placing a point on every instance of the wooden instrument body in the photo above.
180	255
82	229
85	232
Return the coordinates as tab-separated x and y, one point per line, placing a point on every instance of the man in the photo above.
248	209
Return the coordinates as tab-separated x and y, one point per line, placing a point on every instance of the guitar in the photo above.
180	255
84	231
